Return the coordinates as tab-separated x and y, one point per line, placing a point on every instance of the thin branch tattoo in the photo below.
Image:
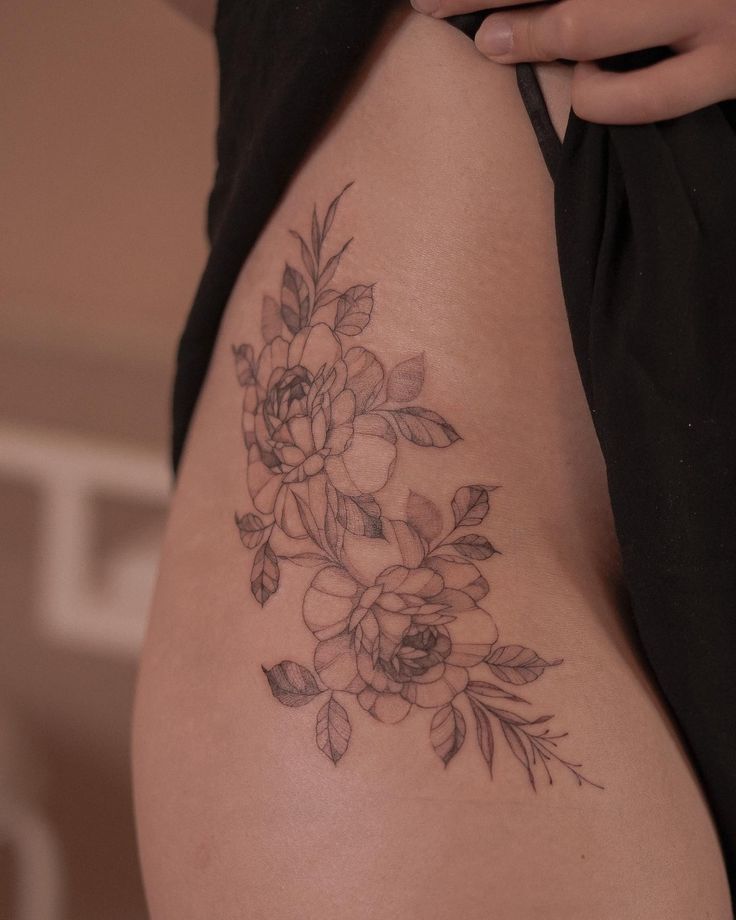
394	601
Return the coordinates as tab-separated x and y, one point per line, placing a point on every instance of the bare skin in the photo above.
201	12
250	800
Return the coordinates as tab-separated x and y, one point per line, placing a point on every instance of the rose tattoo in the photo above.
394	604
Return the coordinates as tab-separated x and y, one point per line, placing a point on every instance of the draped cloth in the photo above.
647	249
647	252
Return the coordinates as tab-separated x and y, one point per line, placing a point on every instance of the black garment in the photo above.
647	253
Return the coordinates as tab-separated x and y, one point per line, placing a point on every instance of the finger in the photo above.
674	87
442	8
581	30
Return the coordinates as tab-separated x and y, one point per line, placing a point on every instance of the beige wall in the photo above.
107	110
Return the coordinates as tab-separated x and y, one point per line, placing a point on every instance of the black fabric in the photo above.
647	249
531	93
284	65
647	254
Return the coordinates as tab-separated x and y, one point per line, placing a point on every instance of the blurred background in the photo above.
106	155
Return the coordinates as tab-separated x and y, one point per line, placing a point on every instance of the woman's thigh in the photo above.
390	557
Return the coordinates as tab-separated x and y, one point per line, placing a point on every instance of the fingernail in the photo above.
495	37
426	6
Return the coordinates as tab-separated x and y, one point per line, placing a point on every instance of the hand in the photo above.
701	33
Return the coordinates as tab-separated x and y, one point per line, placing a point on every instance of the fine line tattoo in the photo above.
394	600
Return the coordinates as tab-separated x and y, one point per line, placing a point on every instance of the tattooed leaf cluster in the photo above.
396	603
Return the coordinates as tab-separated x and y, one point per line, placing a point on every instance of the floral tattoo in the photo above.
393	604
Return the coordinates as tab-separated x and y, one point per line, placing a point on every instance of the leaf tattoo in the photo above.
406	380
487	690
252	530
322	422
327	273
292	684
518	665
484	733
306	255
333	730
424	516
245	369
447	732
332	210
271	323
358	514
473	546
294	300
470	506
354	309
423	427
264	579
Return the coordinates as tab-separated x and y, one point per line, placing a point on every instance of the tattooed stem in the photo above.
442	541
529	746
